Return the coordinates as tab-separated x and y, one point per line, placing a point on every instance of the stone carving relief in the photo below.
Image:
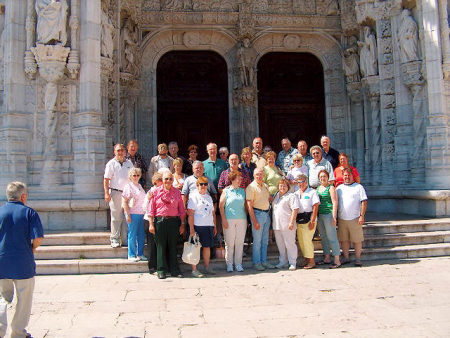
261	6
327	7
130	52
176	4
350	62
305	7
407	38
245	64
348	17
291	41
51	21
368	54
107	33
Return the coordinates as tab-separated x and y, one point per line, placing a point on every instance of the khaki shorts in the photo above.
350	231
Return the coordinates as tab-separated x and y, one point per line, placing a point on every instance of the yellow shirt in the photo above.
258	194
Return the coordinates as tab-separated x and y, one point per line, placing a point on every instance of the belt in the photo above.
116	189
267	210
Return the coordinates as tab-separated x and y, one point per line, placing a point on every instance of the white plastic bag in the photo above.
191	250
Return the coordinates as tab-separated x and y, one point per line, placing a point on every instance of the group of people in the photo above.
284	196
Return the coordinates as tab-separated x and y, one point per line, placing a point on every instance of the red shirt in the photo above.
225	182
339	175
167	203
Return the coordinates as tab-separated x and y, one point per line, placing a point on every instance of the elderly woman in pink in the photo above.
132	199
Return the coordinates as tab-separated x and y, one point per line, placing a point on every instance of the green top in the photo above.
326	205
272	178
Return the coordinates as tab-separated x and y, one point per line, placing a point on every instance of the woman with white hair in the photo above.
133	196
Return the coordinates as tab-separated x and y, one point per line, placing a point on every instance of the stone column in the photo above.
88	133
372	86
438	131
30	27
15	118
445	31
74	23
357	114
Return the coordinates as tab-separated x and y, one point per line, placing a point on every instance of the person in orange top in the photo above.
339	171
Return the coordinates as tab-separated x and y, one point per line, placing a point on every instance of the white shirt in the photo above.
315	168
117	173
349	200
203	208
282	209
294	172
307	199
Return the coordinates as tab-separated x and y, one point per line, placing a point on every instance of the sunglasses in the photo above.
203	184
136	175
168	179
303	181
296	161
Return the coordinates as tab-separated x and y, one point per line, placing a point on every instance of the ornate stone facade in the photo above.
78	76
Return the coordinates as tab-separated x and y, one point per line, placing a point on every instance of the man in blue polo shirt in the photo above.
20	234
213	165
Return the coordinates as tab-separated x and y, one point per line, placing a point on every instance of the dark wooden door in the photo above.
291	98
192	91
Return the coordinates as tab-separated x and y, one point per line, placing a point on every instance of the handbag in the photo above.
191	250
303	217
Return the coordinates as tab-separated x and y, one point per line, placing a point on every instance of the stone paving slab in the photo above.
382	299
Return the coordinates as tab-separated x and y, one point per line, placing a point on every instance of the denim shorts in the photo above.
206	234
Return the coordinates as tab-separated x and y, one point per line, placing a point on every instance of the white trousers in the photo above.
119	228
286	246
234	240
24	293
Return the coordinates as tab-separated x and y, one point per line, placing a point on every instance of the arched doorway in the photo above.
291	99
192	93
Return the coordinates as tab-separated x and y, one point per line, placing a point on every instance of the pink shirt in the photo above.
167	203
132	190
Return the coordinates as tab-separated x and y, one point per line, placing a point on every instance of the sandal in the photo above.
308	267
335	266
345	261
358	263
322	262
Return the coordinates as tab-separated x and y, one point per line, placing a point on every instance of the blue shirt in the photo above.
19	225
214	169
284	160
235	203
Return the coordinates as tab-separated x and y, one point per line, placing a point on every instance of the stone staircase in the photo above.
386	237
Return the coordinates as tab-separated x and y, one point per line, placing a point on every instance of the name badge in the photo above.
306	197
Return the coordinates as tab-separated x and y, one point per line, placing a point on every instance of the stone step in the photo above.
122	265
392	227
76	238
80	252
411	238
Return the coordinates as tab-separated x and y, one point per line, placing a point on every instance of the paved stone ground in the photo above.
382	299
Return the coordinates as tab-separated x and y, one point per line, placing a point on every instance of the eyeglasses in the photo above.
222	153
203	184
296	160
136	175
302	181
168	179
316	153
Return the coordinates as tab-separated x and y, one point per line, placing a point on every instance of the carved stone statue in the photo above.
350	64
107	37
407	38
51	21
130	48
244	62
368	54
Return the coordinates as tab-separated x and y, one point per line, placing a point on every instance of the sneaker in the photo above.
239	268
281	266
267	265
209	270
292	267
142	258
115	244
197	274
229	267
259	267
133	259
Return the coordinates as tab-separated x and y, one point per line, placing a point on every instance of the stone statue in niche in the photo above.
368	54
107	35
51	21
327	7
407	38
245	66
350	62
130	48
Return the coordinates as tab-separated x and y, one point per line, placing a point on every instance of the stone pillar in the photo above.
437	132
88	133
445	31
388	118
15	118
372	86
357	117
